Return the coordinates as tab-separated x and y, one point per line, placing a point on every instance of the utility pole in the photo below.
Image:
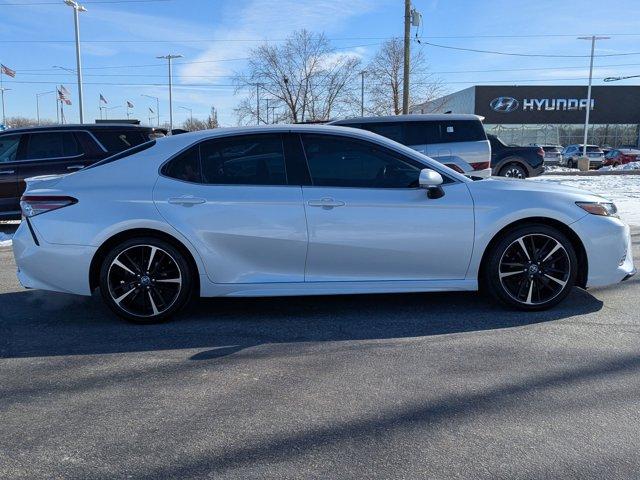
593	39
169	58
362	73
258	103
407	56
77	8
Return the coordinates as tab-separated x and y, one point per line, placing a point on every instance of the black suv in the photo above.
515	161
27	152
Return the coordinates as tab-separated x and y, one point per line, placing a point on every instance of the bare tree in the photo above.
385	76
194	124
310	79
17	122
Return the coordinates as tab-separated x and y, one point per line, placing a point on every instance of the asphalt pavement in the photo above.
373	386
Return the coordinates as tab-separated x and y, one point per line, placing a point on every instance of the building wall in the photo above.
459	102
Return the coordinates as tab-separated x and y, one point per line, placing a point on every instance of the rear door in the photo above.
232	199
49	153
9	198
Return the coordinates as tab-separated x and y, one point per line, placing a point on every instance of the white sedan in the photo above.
306	210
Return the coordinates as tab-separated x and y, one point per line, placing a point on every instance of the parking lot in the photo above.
393	386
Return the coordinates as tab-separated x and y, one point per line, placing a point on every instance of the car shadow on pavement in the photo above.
35	323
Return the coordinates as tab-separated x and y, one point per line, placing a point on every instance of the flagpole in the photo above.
4	121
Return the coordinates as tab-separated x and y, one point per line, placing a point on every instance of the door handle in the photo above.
7	172
326	203
186	201
75	167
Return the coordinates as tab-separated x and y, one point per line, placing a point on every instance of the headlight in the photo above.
604	209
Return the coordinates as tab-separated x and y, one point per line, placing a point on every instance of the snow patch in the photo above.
626	166
623	190
5	239
558	168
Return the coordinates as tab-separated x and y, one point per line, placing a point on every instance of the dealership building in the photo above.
549	114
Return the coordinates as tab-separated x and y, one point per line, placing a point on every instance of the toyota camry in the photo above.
306	210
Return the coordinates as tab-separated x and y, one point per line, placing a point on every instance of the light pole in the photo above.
593	39
170	57
77	8
190	110
38	95
615	79
2	90
157	106
106	111
362	74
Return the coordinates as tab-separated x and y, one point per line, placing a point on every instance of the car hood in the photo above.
534	187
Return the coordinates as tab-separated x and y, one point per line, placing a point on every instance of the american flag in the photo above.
151	110
103	100
129	104
7	71
63	95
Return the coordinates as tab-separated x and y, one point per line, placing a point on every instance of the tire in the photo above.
145	280
514	170
572	164
534	281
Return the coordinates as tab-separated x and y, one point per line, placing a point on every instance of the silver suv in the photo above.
456	140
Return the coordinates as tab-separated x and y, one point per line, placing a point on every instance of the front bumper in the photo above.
607	242
60	268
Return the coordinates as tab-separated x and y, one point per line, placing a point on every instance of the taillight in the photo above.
541	151
480	165
33	205
455	167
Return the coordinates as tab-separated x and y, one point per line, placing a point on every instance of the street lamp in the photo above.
593	39
190	110
157	106
106	111
38	95
77	8
615	79
170	57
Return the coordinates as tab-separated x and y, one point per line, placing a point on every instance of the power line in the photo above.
515	54
86	2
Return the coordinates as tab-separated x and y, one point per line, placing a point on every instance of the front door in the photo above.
230	198
368	220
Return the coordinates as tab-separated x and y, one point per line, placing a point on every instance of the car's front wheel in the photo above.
513	170
531	268
145	280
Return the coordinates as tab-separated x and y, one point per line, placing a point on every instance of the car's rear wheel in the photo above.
531	268
513	170
145	280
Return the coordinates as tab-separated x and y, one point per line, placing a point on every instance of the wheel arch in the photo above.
513	159
108	244
583	261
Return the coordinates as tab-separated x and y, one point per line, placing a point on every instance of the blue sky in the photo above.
121	41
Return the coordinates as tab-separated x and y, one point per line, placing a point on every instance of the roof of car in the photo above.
84	126
414	117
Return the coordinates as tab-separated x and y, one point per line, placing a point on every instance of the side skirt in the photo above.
209	289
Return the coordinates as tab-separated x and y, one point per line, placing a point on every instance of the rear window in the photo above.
52	145
462	131
119	140
126	153
593	148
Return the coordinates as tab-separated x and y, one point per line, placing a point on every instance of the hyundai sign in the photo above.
557	104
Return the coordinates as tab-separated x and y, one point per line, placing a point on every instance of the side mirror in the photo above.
431	181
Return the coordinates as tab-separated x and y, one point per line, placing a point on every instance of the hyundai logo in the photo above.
504	104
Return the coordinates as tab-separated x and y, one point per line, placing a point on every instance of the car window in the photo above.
8	147
185	166
118	140
51	145
462	131
343	162
245	160
392	130
422	133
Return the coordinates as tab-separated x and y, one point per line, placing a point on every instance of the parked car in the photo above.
551	153
458	141
515	161
572	153
27	152
621	156
306	210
